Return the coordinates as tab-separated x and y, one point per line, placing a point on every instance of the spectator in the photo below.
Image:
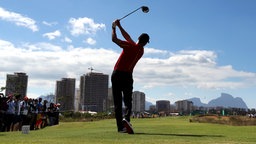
44	114
3	109
51	114
39	108
57	113
25	111
10	113
17	118
34	111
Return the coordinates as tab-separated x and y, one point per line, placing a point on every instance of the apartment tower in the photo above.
65	94
16	84
93	92
138	102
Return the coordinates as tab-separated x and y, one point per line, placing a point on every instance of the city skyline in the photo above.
68	85
197	48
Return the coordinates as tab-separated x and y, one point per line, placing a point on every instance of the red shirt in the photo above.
130	55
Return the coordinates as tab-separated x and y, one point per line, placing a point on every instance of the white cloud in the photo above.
191	68
45	63
40	47
90	41
6	45
84	25
68	40
152	52
52	35
18	19
189	57
49	23
155	51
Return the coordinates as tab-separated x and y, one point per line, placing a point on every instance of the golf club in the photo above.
144	9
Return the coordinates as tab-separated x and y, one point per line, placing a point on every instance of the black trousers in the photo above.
122	86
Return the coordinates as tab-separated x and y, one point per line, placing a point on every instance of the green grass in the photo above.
173	130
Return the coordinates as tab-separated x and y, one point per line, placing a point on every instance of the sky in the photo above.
197	48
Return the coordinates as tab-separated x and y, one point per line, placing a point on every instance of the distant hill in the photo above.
225	100
147	105
197	102
50	98
228	100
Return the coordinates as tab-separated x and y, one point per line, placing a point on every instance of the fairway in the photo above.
168	130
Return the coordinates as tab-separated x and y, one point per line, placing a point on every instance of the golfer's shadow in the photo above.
182	135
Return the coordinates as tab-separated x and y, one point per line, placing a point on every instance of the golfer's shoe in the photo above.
124	130
128	126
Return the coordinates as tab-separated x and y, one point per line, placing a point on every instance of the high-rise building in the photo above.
77	99
65	94
163	106
110	101
93	92
16	84
138	102
184	106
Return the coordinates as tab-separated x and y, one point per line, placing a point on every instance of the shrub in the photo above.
229	120
69	116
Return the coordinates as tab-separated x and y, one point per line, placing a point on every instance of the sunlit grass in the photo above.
171	130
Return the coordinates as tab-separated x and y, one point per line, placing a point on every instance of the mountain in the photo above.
197	102
49	97
147	105
225	100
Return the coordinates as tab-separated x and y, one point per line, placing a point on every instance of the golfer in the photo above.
122	79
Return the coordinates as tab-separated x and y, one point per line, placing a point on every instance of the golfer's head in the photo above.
143	39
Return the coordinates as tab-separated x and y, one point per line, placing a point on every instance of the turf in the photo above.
173	130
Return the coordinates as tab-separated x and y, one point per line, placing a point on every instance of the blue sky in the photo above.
197	48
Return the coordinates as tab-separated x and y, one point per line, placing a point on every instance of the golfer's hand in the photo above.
113	25
117	22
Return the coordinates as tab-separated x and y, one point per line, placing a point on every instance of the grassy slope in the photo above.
176	130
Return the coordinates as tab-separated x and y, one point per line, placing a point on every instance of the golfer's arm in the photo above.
114	37
125	34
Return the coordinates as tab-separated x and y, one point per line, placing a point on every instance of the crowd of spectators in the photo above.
16	111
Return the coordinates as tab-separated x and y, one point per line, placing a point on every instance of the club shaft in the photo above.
129	13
